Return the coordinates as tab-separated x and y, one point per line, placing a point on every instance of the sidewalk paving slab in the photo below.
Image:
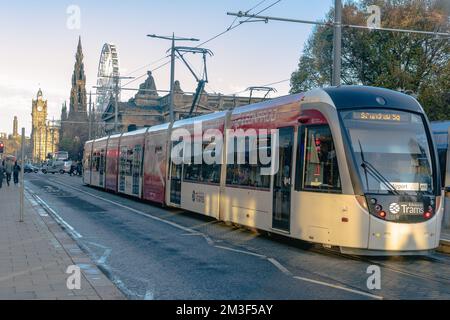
35	254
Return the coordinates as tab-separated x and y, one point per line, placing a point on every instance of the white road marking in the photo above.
148	215
105	256
124	288
280	266
242	251
106	252
148	295
339	287
195	232
58	218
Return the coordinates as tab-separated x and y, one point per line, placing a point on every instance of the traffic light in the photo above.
2	147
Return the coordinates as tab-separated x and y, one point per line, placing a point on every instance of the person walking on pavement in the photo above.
72	168
8	169
2	173
16	170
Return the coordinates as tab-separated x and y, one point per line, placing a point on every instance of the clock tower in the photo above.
42	134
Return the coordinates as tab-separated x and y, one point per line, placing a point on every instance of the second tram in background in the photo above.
357	170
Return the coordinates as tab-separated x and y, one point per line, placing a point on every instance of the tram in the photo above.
441	130
352	167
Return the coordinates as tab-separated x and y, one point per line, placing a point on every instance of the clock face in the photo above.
39	108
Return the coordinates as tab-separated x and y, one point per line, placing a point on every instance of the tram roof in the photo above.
99	139
269	103
135	132
346	97
205	117
117	135
159	127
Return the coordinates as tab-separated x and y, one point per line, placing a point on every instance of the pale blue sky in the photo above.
38	49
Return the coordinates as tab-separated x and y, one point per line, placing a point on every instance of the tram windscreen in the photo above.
391	150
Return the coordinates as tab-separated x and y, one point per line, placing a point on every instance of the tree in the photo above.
73	147
418	64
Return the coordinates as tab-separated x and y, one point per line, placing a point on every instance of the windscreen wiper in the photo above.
369	168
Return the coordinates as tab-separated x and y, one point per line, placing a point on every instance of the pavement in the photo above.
35	255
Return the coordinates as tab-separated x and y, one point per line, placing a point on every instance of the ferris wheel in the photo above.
107	76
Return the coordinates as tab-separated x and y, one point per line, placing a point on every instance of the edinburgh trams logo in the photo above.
409	208
394	208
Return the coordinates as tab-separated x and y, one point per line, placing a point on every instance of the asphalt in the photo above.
151	252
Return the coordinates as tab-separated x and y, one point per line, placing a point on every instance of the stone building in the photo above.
44	133
74	123
147	108
13	143
15	127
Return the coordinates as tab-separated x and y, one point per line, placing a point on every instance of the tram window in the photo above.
96	162
248	174
137	158
318	170
123	160
87	162
129	163
206	173
102	161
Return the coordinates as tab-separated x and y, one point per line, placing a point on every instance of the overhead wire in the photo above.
231	27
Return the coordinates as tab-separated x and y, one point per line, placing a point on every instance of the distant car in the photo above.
67	165
29	168
53	167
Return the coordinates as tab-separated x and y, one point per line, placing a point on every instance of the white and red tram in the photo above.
356	168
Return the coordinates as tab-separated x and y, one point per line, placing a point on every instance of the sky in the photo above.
39	39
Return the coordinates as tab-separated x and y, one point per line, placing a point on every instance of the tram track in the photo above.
330	281
386	266
306	276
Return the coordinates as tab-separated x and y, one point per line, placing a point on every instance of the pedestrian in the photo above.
79	168
16	171
2	173
9	170
72	168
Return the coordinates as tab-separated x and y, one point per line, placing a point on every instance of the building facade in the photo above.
147	108
44	133
15	127
74	123
13	143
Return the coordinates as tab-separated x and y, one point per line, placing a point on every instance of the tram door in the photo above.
136	171
175	181
446	223
122	168
102	168
281	214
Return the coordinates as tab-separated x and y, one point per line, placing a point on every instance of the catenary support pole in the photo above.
22	176
337	43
